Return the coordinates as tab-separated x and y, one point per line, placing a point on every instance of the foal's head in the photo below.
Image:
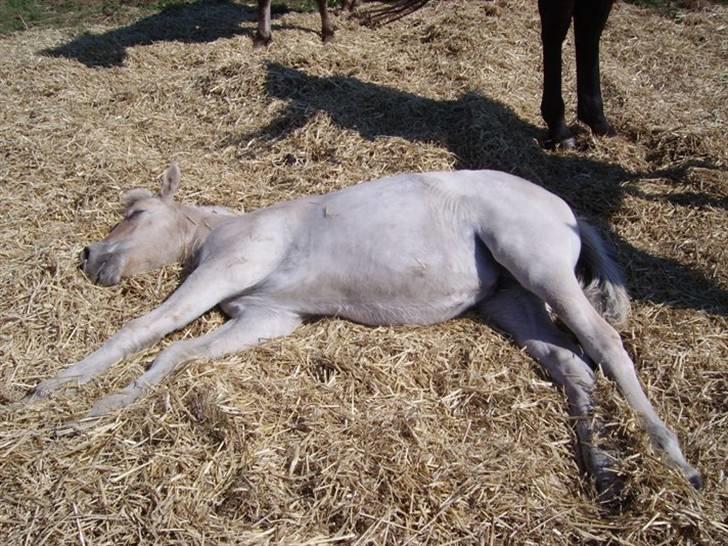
149	236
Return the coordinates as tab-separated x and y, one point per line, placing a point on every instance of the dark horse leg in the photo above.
327	27
556	15
555	21
589	20
262	34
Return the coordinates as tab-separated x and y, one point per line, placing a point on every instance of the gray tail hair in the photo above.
600	276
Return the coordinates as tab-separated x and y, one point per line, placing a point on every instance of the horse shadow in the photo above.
483	133
199	22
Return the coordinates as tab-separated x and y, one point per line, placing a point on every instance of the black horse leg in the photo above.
589	21
555	20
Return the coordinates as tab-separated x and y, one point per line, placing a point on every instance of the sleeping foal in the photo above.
406	249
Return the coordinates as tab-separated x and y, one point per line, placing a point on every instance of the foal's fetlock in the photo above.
599	465
665	441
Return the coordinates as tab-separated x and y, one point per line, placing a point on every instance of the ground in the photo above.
343	433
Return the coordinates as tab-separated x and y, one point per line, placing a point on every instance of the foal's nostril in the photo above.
85	254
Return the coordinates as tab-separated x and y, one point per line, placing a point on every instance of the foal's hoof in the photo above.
597	464
609	486
42	391
32	397
694	478
607	481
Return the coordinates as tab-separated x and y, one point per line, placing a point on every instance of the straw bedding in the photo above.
343	433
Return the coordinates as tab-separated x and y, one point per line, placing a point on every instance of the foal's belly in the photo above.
431	310
423	288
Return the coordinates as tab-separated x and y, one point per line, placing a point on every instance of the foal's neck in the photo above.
197	223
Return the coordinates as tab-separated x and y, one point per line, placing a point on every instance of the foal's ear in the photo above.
170	181
132	196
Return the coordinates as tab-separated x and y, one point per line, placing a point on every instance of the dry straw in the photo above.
342	433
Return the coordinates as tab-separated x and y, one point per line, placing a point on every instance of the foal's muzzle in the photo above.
101	264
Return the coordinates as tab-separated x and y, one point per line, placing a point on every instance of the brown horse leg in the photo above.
589	21
327	27
263	34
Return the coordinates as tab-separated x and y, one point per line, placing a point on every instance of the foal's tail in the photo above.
600	276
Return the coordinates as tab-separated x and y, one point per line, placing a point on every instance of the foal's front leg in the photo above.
202	290
254	326
523	316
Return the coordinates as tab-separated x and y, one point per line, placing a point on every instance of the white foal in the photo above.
406	249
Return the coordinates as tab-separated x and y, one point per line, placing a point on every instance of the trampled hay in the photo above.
343	433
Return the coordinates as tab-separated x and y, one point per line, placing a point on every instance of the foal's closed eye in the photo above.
134	213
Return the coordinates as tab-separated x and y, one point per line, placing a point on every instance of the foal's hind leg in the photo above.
252	327
523	316
560	289
541	256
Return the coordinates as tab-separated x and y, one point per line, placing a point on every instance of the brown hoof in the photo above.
327	36
261	41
